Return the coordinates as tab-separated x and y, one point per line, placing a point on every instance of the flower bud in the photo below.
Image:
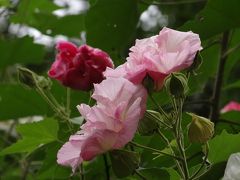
200	129
27	77
31	80
176	85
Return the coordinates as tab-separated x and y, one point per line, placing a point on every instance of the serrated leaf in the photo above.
124	162
222	146
33	135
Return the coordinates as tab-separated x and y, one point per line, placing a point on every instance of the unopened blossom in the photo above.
231	106
79	68
158	56
110	124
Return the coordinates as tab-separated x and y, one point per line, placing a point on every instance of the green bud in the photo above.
176	85
200	129
148	124
31	80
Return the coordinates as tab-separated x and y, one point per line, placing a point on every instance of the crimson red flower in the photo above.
79	68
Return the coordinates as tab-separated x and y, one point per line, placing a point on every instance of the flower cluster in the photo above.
158	56
79	68
121	97
110	124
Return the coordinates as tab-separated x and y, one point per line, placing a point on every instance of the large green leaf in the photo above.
111	24
19	102
218	16
28	8
222	146
71	26
20	50
33	135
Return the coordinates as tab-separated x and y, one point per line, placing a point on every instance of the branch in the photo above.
219	79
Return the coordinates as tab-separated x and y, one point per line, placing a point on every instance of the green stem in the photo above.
165	139
203	163
68	101
154	150
179	136
157	119
159	107
106	167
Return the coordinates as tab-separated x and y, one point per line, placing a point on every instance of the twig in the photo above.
155	150
219	79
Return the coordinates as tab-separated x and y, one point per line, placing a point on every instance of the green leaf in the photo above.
71	26
226	142
21	50
217	16
216	172
5	3
160	173
235	85
33	135
148	124
15	101
27	9
124	162
110	24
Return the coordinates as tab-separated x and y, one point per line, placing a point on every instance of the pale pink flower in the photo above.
158	56
231	106
110	124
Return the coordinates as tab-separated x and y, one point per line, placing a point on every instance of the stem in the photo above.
68	101
58	110
169	145
106	167
159	107
157	119
219	79
203	163
81	170
154	150
179	136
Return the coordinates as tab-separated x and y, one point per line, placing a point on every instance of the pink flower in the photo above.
79	68
110	124
158	56
231	106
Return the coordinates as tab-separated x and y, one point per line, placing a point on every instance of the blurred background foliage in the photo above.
29	30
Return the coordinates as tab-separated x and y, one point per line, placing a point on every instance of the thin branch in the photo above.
219	79
155	150
172	2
